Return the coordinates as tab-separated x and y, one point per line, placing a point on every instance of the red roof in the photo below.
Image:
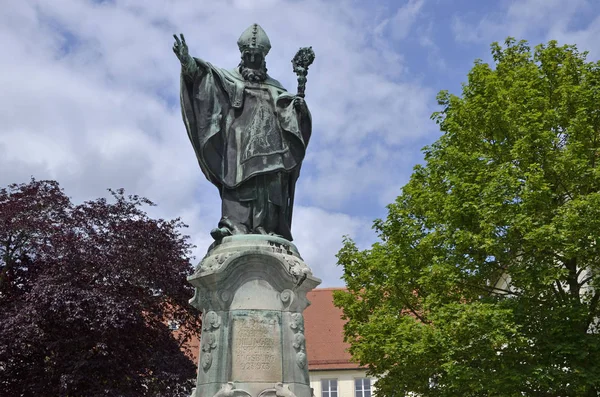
324	332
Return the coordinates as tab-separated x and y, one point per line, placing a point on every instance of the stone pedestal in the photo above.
252	291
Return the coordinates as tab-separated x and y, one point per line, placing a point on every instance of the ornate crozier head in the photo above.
254	46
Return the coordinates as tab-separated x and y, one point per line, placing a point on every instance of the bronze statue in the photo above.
249	134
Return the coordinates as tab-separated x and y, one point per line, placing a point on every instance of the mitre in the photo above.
254	38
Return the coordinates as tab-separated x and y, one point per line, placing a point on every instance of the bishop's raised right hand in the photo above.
180	48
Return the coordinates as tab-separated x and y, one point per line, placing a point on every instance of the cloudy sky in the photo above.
89	95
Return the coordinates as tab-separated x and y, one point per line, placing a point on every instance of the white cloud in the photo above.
586	38
89	97
401	23
318	236
434	56
533	20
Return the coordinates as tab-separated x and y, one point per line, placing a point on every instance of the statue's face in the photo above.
253	59
252	66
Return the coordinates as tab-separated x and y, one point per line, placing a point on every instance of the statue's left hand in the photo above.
300	105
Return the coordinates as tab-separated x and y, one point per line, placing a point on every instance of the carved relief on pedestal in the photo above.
296	267
299	343
229	390
252	297
287	297
213	262
225	295
210	323
256	346
280	390
221	258
202	298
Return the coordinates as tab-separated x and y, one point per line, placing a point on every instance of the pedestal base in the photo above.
252	292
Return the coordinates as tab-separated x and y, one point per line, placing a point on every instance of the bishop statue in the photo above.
249	135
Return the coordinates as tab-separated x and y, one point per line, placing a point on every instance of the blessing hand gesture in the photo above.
180	48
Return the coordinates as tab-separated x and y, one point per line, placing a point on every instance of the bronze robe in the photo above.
250	142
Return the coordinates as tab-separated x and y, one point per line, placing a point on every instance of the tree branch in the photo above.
413	310
492	290
8	263
571	265
559	290
592	309
585	281
20	241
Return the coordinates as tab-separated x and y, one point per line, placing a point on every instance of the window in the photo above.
362	387
329	388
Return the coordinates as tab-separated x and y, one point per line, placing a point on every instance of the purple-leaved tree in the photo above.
86	294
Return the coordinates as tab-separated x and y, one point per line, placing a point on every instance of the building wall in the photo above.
345	379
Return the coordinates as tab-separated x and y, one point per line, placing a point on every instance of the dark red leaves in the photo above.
86	292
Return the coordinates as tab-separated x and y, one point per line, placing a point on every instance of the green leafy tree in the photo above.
487	278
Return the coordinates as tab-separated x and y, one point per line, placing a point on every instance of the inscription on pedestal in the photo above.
256	346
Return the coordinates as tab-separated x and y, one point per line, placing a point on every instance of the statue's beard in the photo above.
253	75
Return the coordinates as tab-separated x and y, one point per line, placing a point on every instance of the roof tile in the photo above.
324	332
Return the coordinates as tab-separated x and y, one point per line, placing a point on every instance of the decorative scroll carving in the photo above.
280	390
210	323
299	343
297	267
226	390
211	263
201	299
229	390
225	295
287	297
222	257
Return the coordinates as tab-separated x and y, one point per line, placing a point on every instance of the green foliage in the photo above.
511	191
